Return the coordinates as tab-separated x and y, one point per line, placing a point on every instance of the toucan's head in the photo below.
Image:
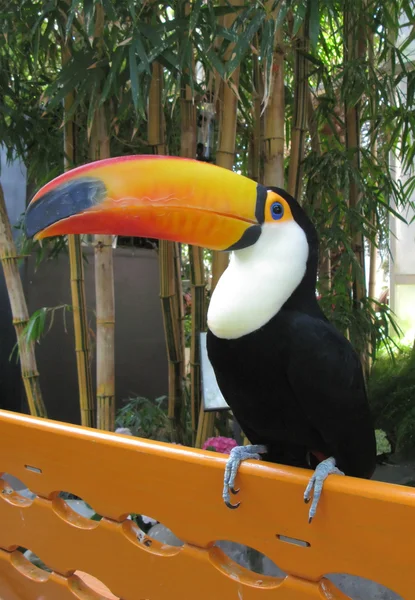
162	197
186	201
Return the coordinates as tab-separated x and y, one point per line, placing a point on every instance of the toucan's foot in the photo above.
236	456
324	469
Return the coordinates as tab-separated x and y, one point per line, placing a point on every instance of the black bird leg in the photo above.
237	455
323	470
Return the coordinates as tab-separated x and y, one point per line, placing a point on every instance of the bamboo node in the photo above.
266	139
101	246
225	152
32	375
20	321
12	257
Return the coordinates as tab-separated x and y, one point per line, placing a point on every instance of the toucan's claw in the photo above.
236	456
324	469
233	506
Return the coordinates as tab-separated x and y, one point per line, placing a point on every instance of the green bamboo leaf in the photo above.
152	34
131	8
36	42
314	23
92	106
114	70
79	97
109	9
177	25
267	52
139	48
194	14
89	17
393	211
209	17
221	11
313	59
133	76
299	17
216	63
50	6
244	42
71	14
226	34
281	16
170	61
63	91
35	326
267	36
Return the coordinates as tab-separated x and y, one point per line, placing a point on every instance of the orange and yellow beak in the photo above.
160	197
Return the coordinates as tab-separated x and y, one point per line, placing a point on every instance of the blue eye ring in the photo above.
277	211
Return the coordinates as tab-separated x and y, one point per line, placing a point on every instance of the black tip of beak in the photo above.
66	200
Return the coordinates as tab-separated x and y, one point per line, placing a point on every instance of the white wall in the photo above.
402	244
13	177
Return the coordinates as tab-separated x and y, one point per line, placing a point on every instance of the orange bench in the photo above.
363	528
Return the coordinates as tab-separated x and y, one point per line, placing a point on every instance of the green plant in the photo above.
146	418
391	390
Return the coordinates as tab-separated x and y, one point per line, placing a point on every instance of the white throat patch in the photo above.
258	281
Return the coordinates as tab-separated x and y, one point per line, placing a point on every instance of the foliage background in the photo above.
323	96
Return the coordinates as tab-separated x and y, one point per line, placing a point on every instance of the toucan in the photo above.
293	382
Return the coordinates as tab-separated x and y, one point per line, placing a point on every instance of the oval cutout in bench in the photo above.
360	588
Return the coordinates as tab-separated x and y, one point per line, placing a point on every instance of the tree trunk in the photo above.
76	266
28	366
99	148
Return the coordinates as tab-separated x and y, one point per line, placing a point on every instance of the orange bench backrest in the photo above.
362	528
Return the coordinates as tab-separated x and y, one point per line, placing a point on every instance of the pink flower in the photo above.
220	444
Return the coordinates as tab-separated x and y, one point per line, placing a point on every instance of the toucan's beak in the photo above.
160	197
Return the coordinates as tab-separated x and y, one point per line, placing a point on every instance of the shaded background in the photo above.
140	352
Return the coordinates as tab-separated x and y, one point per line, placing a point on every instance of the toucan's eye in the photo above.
277	210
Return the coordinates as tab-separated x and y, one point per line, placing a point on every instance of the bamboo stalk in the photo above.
205	427
80	321
225	155
174	350
257	134
197	273
374	152
324	263
274	117
28	366
170	272
373	251
299	123
197	279
99	148
353	50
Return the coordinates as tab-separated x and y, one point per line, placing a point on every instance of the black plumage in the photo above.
296	384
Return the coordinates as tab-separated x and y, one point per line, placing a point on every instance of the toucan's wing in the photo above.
327	379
